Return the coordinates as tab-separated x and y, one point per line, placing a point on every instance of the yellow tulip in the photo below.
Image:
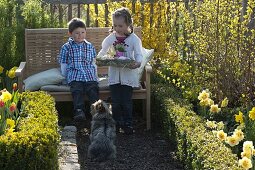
11	72
6	96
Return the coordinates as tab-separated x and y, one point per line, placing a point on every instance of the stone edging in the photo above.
68	154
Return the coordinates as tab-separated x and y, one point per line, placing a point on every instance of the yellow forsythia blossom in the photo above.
232	140
245	163
252	113
6	96
214	108
203	95
239	117
1	69
221	135
224	102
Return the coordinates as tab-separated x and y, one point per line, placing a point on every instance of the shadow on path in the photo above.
142	151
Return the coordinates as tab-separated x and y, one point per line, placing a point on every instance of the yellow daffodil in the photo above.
241	126
232	140
211	124
252	114
206	102
203	95
6	96
221	135
224	102
248	146
215	109
239	117
246	154
239	134
1	69
220	125
245	163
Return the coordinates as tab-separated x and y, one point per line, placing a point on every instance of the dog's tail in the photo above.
102	149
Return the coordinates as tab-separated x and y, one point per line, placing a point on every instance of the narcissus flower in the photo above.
232	140
203	95
245	163
248	146
214	108
220	125
239	134
246	154
206	102
252	114
239	117
221	135
224	102
211	124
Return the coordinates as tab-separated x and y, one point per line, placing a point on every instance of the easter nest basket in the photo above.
116	62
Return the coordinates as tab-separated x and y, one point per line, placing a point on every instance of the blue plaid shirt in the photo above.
79	58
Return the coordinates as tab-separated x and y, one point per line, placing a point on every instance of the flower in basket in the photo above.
119	47
9	113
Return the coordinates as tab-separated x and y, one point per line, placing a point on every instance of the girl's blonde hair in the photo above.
124	12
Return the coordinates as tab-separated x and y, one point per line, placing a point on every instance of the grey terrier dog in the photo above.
103	133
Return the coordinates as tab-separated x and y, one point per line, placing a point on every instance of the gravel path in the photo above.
143	150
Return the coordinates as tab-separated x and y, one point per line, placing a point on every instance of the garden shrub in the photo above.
197	147
35	144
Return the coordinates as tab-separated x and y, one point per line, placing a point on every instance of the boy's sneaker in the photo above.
79	115
128	130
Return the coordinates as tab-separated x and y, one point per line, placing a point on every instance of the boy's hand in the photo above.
134	65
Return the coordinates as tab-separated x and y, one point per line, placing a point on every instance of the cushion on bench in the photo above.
36	81
103	85
147	55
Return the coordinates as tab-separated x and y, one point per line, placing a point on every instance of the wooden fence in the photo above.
67	9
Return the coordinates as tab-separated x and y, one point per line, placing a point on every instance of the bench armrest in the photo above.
20	74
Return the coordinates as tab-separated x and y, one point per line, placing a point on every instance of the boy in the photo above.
77	60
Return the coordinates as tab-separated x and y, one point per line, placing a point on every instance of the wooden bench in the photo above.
42	48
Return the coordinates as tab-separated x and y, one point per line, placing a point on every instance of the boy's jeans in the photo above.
122	105
79	88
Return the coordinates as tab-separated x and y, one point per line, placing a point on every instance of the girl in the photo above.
123	80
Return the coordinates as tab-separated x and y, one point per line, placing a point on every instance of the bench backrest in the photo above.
43	45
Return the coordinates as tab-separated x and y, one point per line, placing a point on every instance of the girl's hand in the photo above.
134	65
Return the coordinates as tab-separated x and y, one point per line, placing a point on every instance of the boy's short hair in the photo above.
75	23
